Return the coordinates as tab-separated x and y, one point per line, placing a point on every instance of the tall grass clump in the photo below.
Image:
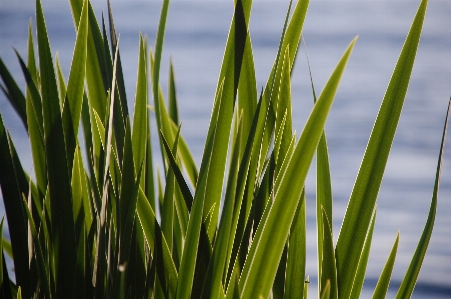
84	224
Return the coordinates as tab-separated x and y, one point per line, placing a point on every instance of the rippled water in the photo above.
195	38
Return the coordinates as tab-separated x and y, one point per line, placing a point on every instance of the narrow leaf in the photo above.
384	279
364	194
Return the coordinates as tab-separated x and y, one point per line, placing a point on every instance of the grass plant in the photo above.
85	223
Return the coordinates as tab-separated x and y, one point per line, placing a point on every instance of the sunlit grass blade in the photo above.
329	270
384	279
96	91
139	131
221	120
323	183
411	276
213	286
364	194
247	91
297	252
325	294
173	107
259	271
157	61
363	260
62	87
284	107
189	256
72	103
31	59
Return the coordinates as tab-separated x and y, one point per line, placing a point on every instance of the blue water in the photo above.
195	39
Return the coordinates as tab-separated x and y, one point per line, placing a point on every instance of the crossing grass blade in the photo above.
411	276
384	279
364	194
259	271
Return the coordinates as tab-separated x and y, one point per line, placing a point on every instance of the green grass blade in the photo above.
36	130
31	55
6	245
363	197
213	286
119	73
259	270
384	280
223	111
306	283
128	179
325	294
328	270
13	93
157	61
62	88
178	174
167	213
96	91
42	265
157	244
73	100
411	276
189	256
13	184
173	107
139	133
247	91
297	252
323	182
363	260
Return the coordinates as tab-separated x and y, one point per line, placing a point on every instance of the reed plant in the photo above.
92	221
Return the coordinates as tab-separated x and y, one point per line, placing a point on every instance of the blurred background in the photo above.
196	33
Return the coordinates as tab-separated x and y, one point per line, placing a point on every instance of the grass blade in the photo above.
363	197
295	272
213	286
329	270
259	270
223	110
173	108
139	133
363	261
13	184
13	93
72	103
411	276
384	279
